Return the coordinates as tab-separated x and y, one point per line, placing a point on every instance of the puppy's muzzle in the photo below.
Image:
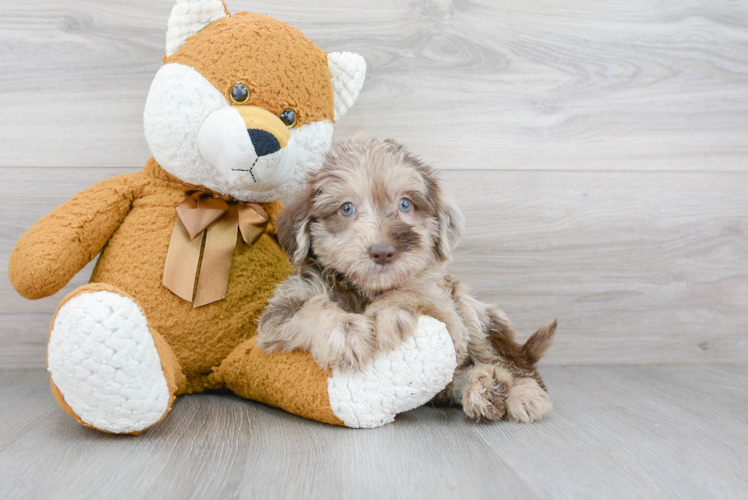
382	254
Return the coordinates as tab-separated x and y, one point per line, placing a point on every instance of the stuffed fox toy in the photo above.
241	110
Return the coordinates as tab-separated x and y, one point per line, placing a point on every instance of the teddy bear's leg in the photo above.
397	380
109	370
288	380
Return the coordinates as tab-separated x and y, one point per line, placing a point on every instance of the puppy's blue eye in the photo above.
405	205
347	209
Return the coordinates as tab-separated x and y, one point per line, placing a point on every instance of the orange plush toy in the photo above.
243	107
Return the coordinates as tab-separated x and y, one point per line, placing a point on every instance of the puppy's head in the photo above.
373	212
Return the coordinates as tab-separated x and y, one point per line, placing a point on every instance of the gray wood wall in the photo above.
599	149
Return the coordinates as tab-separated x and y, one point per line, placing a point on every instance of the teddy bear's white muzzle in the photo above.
227	144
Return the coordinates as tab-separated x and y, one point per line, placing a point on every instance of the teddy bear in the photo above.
242	108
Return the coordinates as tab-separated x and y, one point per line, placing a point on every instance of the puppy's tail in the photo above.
539	342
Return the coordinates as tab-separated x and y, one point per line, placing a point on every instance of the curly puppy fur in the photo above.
363	278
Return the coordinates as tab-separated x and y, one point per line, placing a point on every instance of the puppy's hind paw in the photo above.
527	402
484	396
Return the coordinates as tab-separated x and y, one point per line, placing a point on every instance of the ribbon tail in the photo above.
220	242
253	221
182	260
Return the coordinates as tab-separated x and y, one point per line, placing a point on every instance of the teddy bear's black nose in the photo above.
264	142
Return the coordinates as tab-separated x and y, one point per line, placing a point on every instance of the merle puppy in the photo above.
370	237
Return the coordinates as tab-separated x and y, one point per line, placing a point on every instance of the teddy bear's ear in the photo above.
348	72
190	16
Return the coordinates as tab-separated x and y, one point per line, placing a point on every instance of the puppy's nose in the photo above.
264	142
382	254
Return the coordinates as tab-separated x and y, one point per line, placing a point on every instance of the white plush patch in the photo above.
312	143
398	380
179	103
224	143
271	171
103	360
188	17
348	74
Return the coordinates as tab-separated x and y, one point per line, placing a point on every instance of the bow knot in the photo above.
206	216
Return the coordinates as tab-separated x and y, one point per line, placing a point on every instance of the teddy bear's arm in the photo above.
54	249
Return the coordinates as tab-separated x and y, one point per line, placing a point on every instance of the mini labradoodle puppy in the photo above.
371	236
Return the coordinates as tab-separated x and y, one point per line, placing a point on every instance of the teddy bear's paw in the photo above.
398	380
104	362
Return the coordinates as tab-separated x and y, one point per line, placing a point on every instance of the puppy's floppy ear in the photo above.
450	223
449	219
293	227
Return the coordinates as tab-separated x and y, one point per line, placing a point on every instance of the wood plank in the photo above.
620	85
638	267
616	432
624	432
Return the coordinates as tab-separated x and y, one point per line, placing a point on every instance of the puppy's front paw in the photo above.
485	393
392	325
527	402
348	344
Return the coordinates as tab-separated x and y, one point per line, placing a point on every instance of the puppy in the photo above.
370	237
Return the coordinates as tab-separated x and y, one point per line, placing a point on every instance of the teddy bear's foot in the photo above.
398	380
104	362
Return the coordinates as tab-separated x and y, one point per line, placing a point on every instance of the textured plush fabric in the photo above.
348	74
181	103
135	214
188	17
291	381
281	67
128	222
103	359
398	380
175	379
55	248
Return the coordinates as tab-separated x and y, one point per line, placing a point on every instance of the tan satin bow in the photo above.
216	221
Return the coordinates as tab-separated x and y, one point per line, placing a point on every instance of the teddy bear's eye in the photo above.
347	209
240	93
288	117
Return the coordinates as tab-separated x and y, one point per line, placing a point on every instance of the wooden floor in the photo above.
616	432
